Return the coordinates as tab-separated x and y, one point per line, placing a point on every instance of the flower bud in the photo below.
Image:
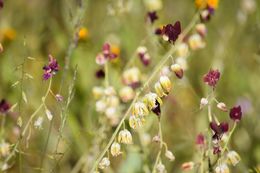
105	162
222	106
187	166
203	102
125	137
176	68
169	155
140	109
136	122
233	157
223	168
101	105
115	149
83	33
126	94
196	42
166	84
110	91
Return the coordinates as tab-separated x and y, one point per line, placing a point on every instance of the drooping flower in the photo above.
131	77
140	109
125	137
152	16
233	157
219	129
160	168
222	106
144	55
196	42
176	68
211	78
51	69
105	162
4	106
4	149
169	155
115	149
203	102
136	122
235	113
126	94
153	101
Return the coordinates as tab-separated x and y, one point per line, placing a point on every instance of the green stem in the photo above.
229	136
161	146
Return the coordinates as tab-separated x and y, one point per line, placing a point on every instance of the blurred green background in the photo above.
35	28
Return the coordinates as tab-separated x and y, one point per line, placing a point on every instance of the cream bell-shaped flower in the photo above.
140	109
233	158
125	137
115	149
169	155
105	162
152	100
136	122
166	84
223	168
196	42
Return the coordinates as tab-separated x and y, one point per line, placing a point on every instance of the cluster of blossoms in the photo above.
220	130
107	54
107	103
150	103
51	69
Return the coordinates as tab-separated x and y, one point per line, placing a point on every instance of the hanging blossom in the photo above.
219	129
51	69
207	8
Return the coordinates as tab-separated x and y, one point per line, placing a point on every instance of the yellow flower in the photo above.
83	33
8	34
115	50
213	3
201	4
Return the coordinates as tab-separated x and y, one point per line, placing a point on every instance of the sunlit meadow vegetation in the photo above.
130	86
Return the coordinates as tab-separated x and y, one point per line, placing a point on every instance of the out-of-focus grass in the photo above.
43	27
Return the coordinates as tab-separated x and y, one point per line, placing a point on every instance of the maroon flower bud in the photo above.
4	106
212	77
171	32
216	150
157	108
235	113
51	68
152	16
100	73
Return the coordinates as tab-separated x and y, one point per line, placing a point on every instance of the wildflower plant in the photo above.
126	108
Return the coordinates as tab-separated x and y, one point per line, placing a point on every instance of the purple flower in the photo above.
106	50
219	130
51	68
206	14
152	16
4	106
235	113
216	150
171	32
212	77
